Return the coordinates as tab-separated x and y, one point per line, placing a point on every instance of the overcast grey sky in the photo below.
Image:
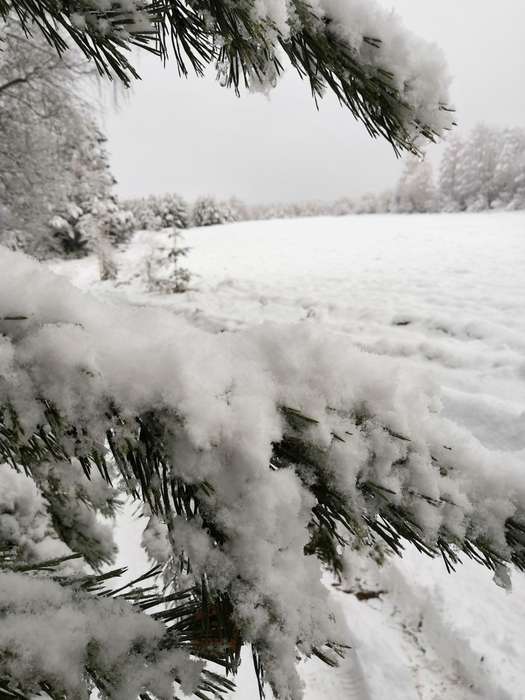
193	137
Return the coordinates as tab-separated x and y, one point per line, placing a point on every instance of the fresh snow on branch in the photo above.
395	83
44	522
51	633
378	40
228	411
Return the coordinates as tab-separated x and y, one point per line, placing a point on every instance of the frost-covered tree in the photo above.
485	170
476	169
39	112
518	200
256	457
343	207
367	204
372	203
449	195
88	209
55	183
237	209
509	175
415	192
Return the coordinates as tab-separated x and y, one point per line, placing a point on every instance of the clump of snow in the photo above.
418	68
24	521
54	512
155	540
78	506
75	631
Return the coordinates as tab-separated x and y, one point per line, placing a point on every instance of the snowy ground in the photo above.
445	295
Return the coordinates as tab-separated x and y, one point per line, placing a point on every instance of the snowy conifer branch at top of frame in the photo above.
393	82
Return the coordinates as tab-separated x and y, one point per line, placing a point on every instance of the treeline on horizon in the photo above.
483	171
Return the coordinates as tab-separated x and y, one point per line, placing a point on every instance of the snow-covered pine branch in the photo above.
67	634
396	84
259	453
64	631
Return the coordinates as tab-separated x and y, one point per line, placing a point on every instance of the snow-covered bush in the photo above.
207	211
343	207
159	211
143	214
118	222
237	209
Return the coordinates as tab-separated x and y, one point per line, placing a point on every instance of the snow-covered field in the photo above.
445	295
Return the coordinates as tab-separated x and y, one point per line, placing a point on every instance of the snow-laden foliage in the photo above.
55	185
54	513
152	261
159	211
88	215
392	81
208	211
39	113
58	630
56	636
25	523
259	452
